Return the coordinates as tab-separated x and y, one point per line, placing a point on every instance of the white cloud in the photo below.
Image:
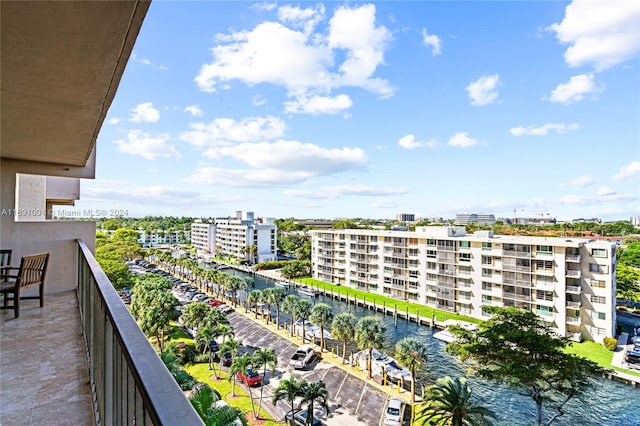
384	204
410	142
630	170
483	91
144	145
605	191
580	181
333	192
146	61
145	113
223	131
194	110
246	178
462	140
575	89
304	62
307	158
543	130
319	105
258	100
602	33
114	120
432	40
307	19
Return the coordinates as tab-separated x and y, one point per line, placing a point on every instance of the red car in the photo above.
213	303
251	379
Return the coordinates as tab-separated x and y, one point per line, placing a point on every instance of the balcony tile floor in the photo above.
43	368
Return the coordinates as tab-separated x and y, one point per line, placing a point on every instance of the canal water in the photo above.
608	403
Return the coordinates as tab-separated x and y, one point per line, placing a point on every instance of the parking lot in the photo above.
353	401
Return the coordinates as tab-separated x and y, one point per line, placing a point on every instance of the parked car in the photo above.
251	379
632	357
224	308
302	357
394	412
300	418
227	359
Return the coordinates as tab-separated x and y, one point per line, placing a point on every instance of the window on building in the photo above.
598	283
465	257
487	260
599	252
544	310
598	299
544	295
544	249
465	244
486	286
486	272
486	245
486	299
431	254
431	242
598	315
602	269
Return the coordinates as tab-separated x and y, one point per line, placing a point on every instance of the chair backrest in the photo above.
5	257
33	270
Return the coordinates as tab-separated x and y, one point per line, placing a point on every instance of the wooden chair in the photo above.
31	273
5	262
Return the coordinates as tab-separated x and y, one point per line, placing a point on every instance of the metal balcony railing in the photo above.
129	382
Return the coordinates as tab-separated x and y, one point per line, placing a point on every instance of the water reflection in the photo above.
608	403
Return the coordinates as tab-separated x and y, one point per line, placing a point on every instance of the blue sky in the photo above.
329	110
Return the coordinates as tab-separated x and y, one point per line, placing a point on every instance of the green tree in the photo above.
289	307
233	347
277	296
343	328
449	403
312	393
303	311
369	334
321	315
288	389
203	400
265	358
515	347
242	364
412	354
253	299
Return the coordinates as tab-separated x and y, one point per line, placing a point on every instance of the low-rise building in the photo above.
568	283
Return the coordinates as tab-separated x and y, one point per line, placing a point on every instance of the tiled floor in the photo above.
43	369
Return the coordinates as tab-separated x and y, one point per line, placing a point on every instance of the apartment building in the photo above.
240	235
568	283
479	218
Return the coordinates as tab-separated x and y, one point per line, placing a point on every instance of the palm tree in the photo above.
289	307
266	358
288	389
268	299
315	392
232	346
369	333
343	328
303	311
411	353
252	301
277	295
449	403
203	400
321	315
224	330
242	364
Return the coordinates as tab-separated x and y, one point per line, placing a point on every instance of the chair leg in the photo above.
16	304
41	295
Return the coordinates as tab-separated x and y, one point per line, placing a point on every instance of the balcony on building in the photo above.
80	359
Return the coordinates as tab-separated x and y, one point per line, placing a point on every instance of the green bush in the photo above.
610	343
200	359
188	354
184	380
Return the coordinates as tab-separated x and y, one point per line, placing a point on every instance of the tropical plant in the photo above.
288	389
253	299
242	364
369	334
449	403
303	311
321	315
277	296
343	328
204	401
265	358
412	354
312	393
289	307
233	347
515	347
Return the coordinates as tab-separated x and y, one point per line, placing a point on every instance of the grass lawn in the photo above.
202	374
401	306
598	354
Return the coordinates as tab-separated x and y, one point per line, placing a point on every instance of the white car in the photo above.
394	412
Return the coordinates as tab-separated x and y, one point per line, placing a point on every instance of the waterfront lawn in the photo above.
599	354
401	306
241	401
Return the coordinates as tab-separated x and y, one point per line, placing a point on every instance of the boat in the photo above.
308	291
311	330
282	283
382	364
446	336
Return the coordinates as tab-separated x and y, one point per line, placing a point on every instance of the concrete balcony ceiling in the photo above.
61	64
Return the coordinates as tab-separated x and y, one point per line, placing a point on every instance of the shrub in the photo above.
184	380
201	359
610	343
